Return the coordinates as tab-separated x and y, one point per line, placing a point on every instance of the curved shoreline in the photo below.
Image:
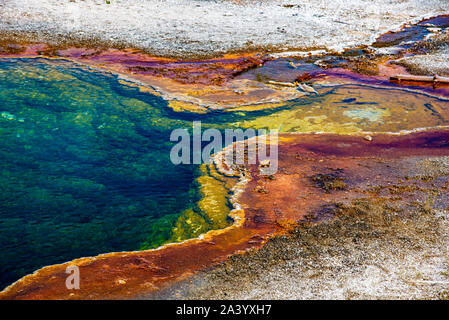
121	275
14	291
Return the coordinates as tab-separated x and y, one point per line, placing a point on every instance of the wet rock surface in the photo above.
392	206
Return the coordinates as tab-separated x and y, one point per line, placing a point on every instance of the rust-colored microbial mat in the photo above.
315	172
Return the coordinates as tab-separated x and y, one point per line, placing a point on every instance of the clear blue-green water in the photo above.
84	166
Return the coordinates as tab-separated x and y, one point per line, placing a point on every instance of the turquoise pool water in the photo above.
84	166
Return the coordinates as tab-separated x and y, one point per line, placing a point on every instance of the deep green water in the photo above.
84	166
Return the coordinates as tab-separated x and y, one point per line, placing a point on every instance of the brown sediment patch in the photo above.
367	169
